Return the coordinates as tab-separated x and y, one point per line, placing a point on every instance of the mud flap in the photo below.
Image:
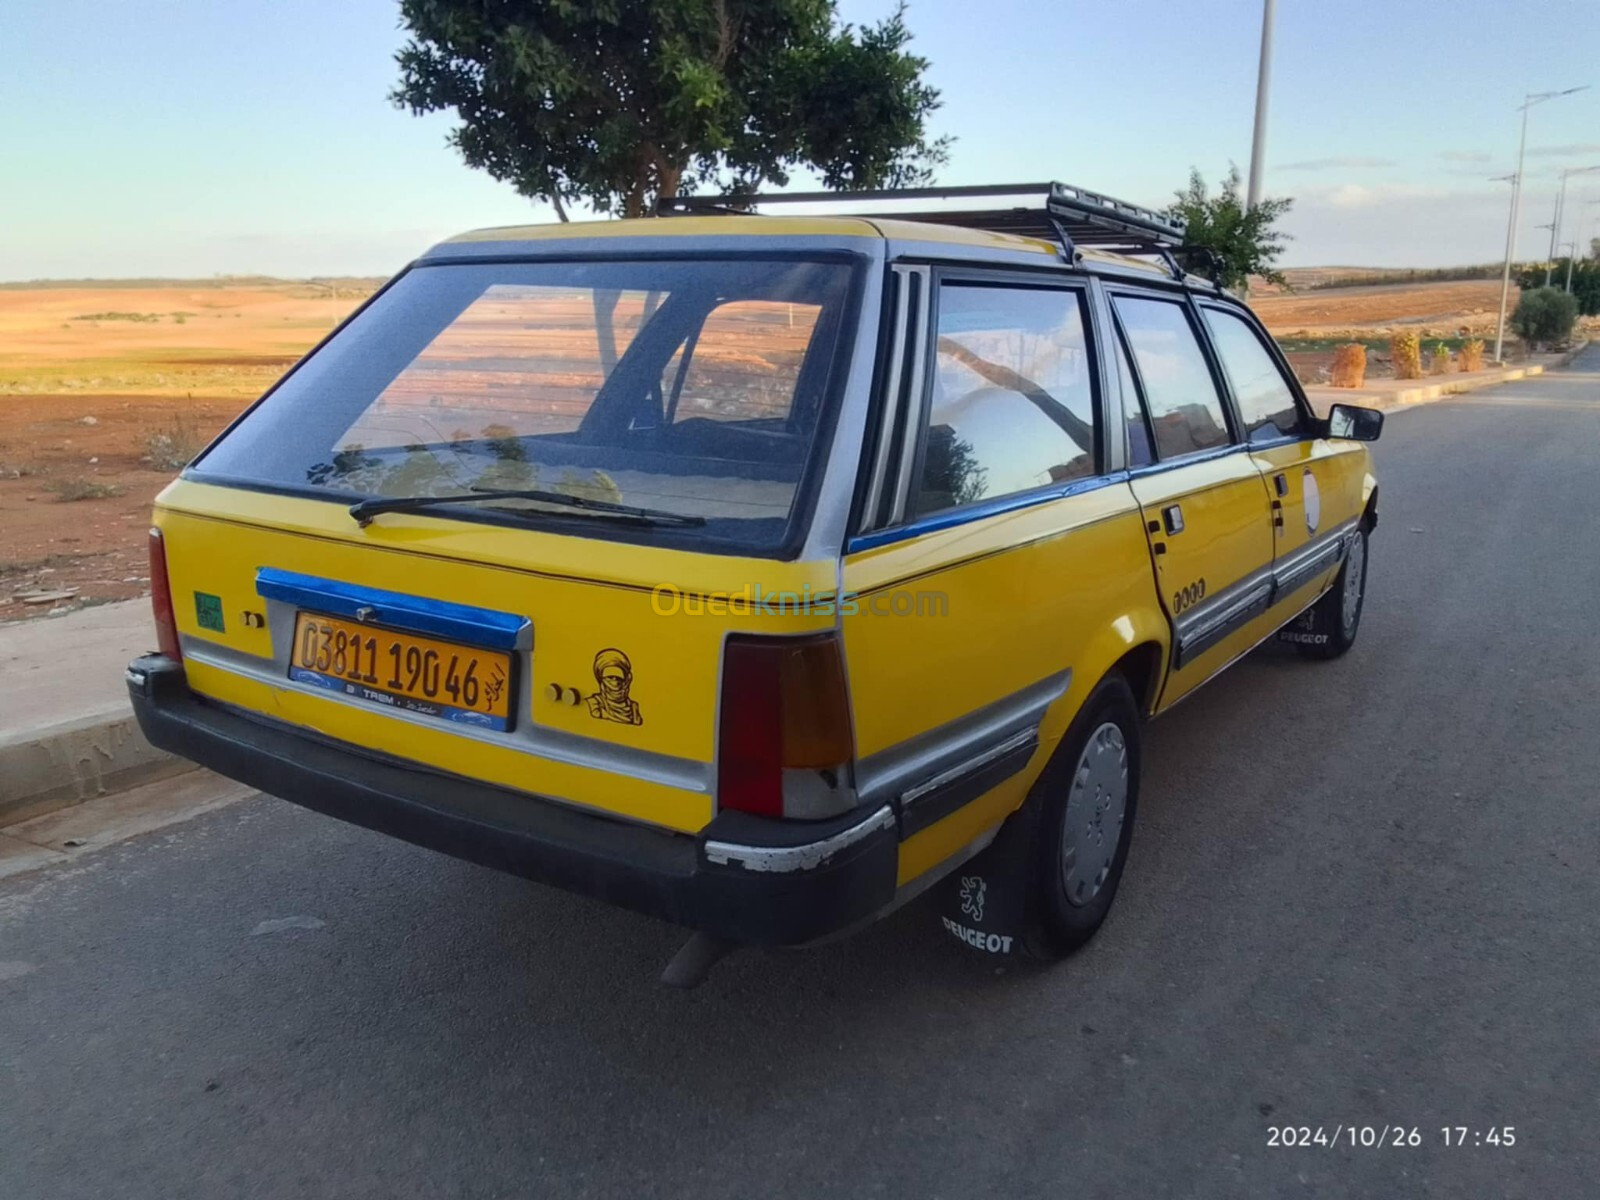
1311	628
986	902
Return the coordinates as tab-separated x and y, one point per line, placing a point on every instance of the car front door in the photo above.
1314	484
1206	509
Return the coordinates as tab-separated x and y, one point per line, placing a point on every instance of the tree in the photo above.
1246	242
618	102
1584	275
1544	315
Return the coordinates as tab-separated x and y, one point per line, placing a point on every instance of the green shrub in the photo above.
1545	316
1405	349
81	489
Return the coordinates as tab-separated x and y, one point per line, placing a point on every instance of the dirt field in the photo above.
102	390
1436	309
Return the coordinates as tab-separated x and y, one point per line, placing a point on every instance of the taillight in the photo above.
785	744
161	598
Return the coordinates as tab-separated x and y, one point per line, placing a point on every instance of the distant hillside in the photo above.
335	285
1304	279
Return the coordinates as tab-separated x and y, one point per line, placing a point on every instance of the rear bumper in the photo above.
745	878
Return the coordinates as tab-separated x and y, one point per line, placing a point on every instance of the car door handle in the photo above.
1172	519
1281	482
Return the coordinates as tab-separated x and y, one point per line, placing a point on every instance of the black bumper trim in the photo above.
651	871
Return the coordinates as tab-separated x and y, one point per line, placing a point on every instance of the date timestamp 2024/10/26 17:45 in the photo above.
1398	1136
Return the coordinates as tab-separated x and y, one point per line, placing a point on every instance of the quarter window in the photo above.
1012	404
1265	401
1139	452
1179	392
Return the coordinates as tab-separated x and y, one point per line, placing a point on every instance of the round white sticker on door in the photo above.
1313	501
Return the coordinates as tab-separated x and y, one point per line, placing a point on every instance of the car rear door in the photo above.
999	566
1313	484
1206	510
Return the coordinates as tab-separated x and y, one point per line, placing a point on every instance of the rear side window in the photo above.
693	388
1265	402
1179	392
1012	396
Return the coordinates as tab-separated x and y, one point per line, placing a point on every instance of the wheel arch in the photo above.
1142	668
1369	504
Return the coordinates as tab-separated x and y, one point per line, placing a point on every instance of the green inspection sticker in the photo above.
208	611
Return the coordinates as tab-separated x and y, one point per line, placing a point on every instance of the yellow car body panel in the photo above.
1072	578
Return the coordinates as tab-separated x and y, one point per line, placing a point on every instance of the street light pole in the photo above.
1561	212
1528	102
1258	144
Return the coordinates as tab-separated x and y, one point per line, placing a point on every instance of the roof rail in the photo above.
1071	215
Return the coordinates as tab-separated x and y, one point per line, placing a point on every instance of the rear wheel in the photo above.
1331	623
1085	802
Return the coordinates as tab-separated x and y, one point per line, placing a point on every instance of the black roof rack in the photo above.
1071	215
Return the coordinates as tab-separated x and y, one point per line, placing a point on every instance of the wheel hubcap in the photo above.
1096	808
1355	571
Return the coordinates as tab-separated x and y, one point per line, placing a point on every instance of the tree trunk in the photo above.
561	209
605	333
671	179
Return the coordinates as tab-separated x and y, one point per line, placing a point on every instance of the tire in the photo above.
1078	858
1333	621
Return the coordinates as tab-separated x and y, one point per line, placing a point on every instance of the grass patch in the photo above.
140	318
17	470
67	490
1380	343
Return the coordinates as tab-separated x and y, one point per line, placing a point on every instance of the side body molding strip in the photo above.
1208	623
929	776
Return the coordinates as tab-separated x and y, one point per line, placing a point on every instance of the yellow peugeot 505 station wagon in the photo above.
760	572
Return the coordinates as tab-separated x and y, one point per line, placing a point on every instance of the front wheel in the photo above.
1330	625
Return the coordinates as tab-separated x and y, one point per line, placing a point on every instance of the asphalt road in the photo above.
1360	893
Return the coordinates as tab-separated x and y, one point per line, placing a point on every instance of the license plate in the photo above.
404	671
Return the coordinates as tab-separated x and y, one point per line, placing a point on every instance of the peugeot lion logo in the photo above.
972	889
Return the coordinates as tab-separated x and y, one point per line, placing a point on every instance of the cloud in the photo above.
1360	195
1571	149
1465	156
1341	162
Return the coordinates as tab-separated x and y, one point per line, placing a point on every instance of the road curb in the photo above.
1425	393
57	766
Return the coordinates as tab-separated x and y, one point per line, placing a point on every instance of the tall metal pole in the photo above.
1258	144
1572	248
1555	219
1528	102
1511	235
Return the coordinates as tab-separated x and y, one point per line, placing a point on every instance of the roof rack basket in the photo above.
1071	215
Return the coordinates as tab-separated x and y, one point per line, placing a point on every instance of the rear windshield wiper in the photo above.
367	509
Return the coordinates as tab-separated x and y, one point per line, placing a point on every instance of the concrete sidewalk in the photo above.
1392	394
67	733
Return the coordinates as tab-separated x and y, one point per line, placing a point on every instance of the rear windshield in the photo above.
694	389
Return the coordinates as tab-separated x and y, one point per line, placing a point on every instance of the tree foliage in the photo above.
1247	242
1585	281
617	102
1545	316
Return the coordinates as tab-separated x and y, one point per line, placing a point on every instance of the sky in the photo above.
186	138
